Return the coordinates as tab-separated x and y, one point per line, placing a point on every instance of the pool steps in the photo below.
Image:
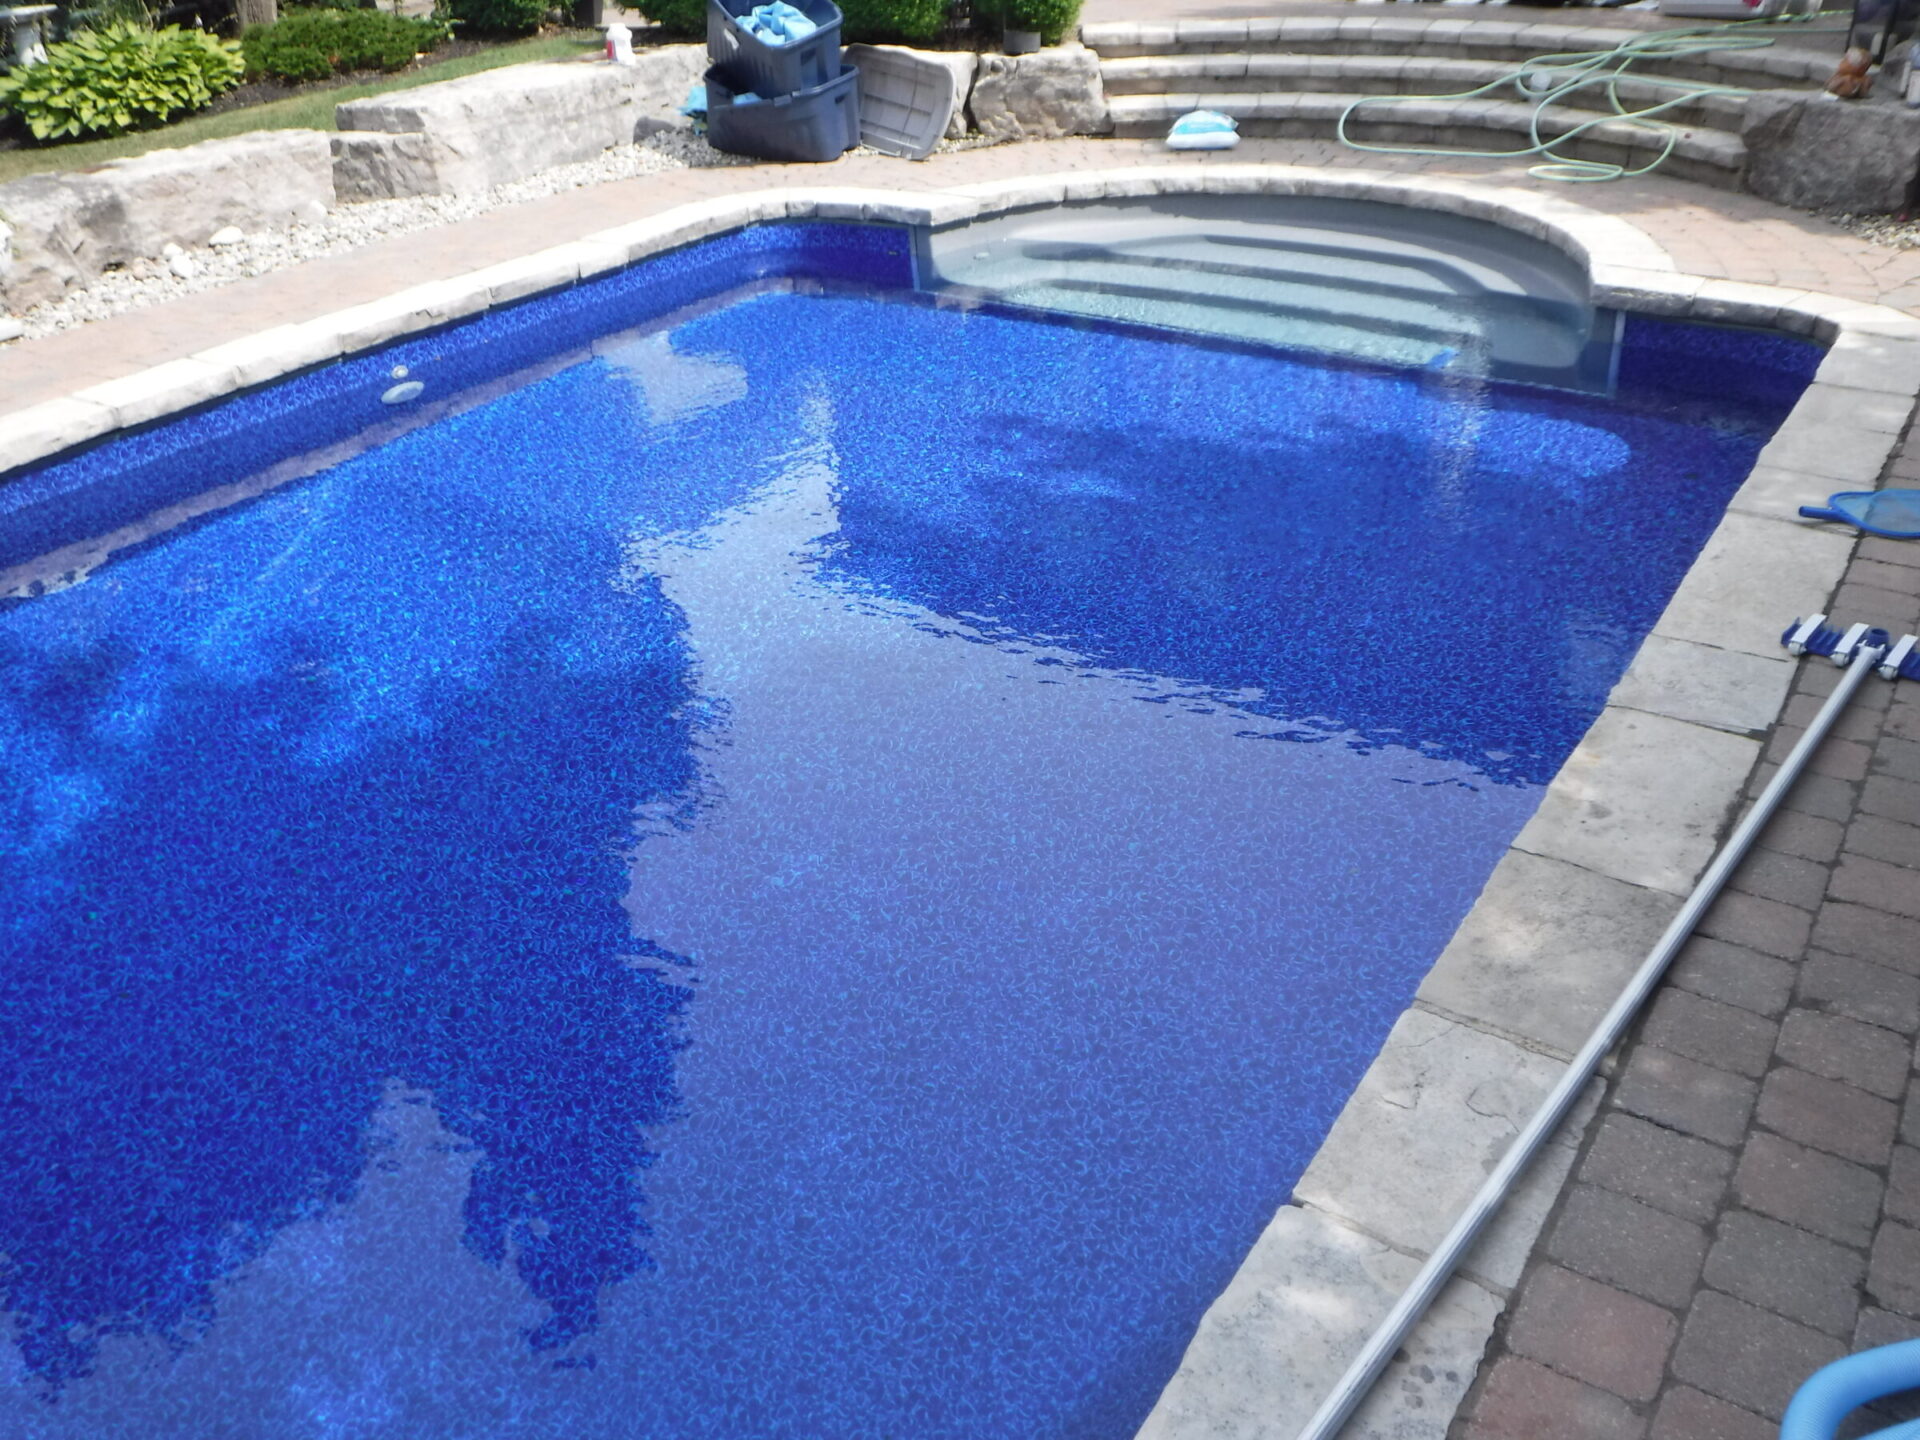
1295	77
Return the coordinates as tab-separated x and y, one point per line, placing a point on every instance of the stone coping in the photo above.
1621	833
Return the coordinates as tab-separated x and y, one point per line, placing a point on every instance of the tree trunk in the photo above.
256	12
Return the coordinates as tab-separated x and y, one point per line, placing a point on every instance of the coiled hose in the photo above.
1551	79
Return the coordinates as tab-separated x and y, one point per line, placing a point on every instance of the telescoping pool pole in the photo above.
1860	650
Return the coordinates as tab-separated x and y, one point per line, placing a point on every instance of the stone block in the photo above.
1609	1237
1860	1055
1769	926
1040	97
1751	571
1733	975
1714	1034
484	130
1893	1273
1428	1121
1297	1311
1642	798
1592	1332
1817	153
1724	689
68	227
1784	1269
1545	950
1861	990
1828	1115
1689	1414
1893	798
1747	1355
1522	1400
1868	934
33	434
1772	875
1672	1172
1685	1095
1817	1192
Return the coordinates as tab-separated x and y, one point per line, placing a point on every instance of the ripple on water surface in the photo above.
820	873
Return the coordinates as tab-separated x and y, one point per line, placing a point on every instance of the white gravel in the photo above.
181	272
1892	231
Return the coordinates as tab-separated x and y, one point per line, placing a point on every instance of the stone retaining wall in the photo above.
468	135
68	227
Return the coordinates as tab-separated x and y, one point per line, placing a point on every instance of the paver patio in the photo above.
1748	1205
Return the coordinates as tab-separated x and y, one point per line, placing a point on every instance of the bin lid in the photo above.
906	100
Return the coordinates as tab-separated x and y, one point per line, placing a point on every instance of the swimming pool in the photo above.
798	862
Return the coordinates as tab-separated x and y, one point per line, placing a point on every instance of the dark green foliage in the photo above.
499	17
1052	18
117	78
682	17
870	21
311	44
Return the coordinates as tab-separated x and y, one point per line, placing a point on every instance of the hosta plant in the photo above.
118	78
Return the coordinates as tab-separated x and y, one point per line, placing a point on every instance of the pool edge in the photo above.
1623	829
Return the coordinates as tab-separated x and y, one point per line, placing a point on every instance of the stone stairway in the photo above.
1295	77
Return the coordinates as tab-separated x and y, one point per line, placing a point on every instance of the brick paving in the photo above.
1747	1206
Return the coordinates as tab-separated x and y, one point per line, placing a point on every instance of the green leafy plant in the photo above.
1052	19
499	17
311	44
119	77
682	17
868	21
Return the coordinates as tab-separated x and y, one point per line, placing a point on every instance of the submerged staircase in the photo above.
1294	77
1340	277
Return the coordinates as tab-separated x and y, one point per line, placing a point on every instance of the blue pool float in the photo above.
1204	130
1834	1391
1894	514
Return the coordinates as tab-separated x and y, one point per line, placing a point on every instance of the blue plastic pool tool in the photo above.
1204	130
1894	514
1834	1391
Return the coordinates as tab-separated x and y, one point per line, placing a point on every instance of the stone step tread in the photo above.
1137	114
1163	74
1375	34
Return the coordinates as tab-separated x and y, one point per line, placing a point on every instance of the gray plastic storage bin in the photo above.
906	100
821	123
774	70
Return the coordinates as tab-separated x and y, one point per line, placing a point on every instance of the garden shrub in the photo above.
863	21
499	17
880	21
119	77
311	44
1051	18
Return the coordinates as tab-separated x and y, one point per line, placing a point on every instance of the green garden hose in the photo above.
1547	79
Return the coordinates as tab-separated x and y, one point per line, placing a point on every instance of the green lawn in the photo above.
299	112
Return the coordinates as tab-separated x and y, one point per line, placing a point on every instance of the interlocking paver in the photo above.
1884	839
1657	1166
1522	1400
1779	876
1893	1273
1647	1252
1895	799
1842	759
1868	934
1784	1269
1903	1185
1747	1355
1734	975
1714	1034
1828	1115
1817	1192
1864	1056
1874	882
1900	759
1808	836
1760	924
1592	1332
1689	1414
1861	990
1685	1095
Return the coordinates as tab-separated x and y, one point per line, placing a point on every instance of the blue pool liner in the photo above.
131	476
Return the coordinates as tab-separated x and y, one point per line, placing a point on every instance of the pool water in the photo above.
819	870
